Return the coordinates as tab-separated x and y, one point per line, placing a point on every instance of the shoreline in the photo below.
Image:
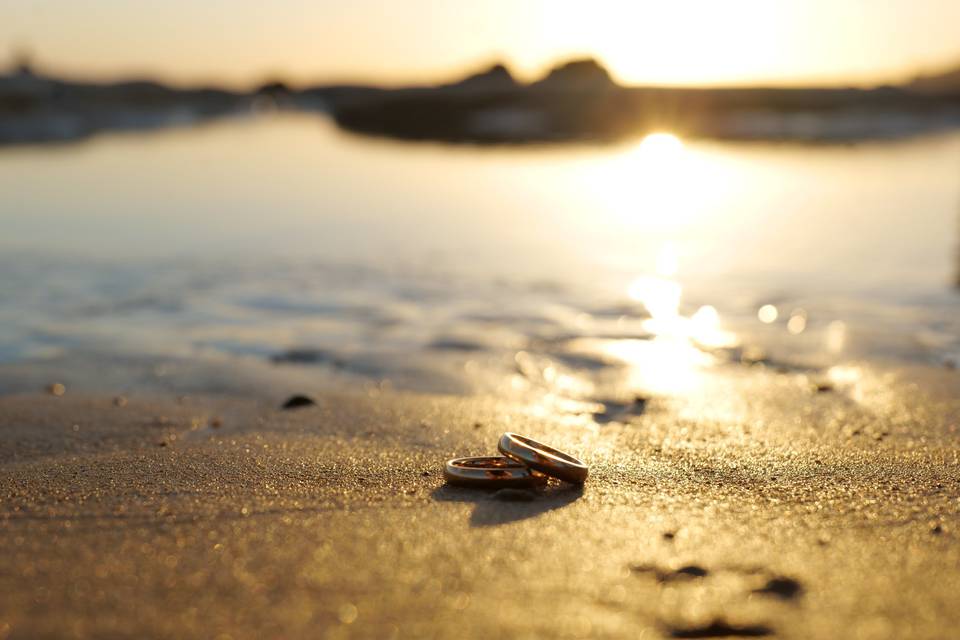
576	101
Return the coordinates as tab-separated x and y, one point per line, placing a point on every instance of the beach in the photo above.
763	385
759	505
273	299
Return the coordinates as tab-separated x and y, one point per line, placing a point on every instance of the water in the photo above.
275	248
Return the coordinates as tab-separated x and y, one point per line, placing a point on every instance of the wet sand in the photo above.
756	505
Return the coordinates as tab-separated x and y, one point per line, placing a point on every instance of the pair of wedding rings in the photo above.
524	463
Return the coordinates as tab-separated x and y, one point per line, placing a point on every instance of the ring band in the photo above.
542	458
490	472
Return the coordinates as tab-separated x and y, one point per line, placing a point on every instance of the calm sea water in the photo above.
278	245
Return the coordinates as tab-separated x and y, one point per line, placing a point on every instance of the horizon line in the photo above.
426	79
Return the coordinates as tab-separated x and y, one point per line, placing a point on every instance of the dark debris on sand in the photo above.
669	575
298	402
781	587
719	628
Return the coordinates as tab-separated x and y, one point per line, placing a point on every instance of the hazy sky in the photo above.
669	41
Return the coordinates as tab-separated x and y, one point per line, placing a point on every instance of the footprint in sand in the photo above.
760	581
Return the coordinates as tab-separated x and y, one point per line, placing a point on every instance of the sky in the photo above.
676	42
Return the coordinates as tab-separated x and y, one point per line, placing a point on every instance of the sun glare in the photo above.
661	144
668	261
647	182
680	347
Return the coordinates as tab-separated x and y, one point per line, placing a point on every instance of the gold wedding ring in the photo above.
542	458
490	472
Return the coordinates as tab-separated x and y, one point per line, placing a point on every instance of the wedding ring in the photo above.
542	458
490	472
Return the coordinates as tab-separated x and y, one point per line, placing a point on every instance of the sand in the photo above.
754	505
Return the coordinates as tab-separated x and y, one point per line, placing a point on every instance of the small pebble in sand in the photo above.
781	587
298	401
119	401
477	425
669	535
56	389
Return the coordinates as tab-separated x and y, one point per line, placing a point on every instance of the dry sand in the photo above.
753	506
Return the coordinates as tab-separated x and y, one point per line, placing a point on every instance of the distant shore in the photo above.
576	101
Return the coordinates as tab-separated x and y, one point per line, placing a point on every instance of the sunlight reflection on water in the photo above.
670	361
610	268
